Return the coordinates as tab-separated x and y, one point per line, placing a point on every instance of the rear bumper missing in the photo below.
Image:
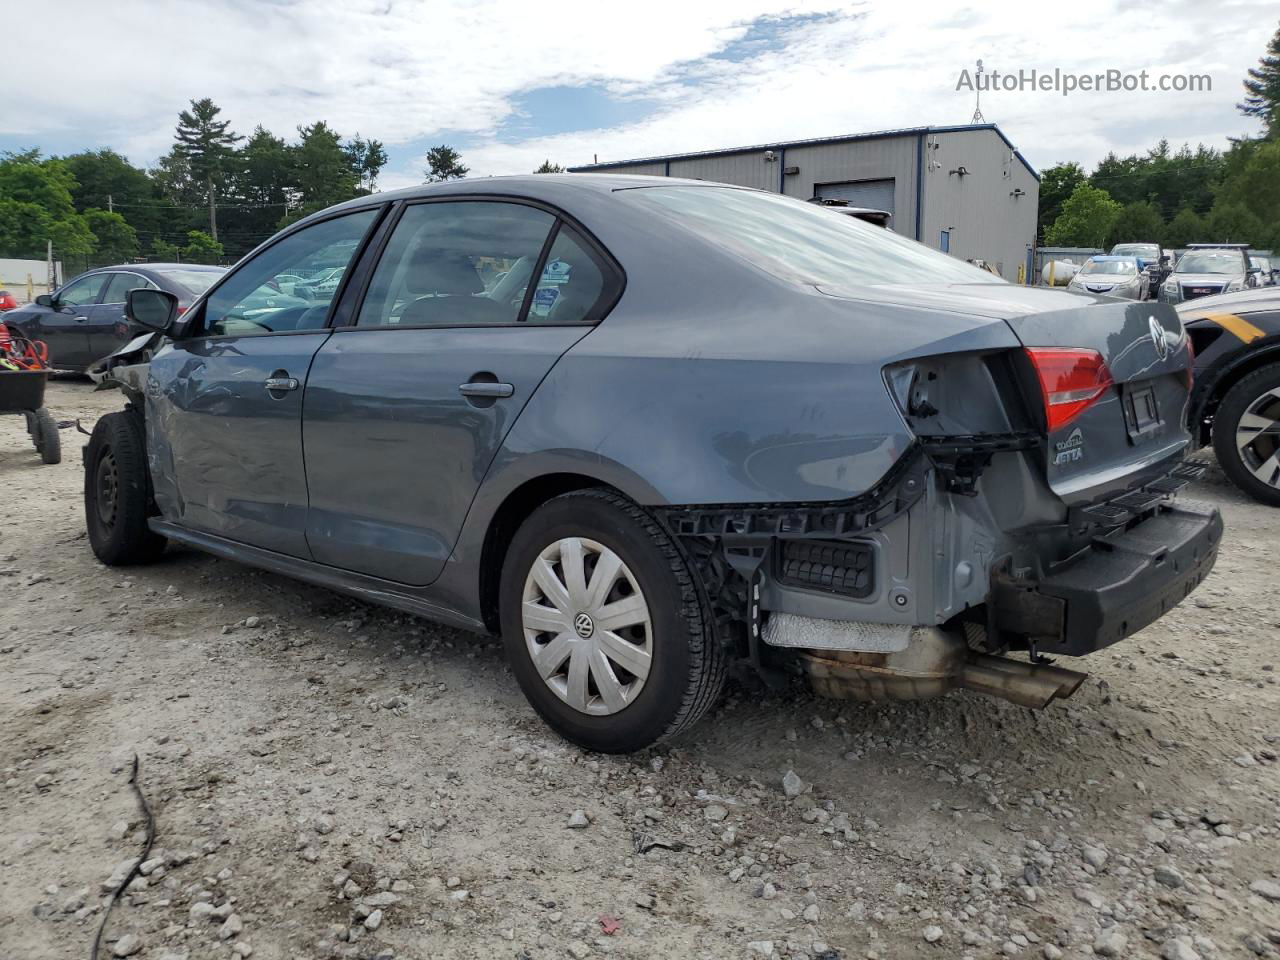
1119	584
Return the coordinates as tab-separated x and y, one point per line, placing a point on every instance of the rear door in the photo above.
406	408
224	418
107	329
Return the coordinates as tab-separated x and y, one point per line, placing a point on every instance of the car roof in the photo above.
1113	258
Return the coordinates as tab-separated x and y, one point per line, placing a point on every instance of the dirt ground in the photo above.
331	779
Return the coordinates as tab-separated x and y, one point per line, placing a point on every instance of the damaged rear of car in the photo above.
723	426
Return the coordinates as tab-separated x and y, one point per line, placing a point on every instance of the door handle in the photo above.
485	389
274	384
81	319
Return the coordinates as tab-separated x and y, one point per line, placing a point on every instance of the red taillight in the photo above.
1071	381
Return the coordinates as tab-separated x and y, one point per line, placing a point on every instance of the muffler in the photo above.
933	663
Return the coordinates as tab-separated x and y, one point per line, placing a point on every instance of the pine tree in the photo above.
1263	89
444	163
207	145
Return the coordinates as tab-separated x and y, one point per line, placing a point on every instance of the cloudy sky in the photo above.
511	83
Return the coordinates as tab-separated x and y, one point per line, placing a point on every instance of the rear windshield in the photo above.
1136	250
804	242
196	281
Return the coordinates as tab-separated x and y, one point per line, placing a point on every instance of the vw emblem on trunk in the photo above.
584	625
1158	338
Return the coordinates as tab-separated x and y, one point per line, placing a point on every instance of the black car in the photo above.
84	320
1235	404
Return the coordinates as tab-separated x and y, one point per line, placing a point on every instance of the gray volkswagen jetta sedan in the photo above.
649	429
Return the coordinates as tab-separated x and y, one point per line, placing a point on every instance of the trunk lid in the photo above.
1134	425
1139	420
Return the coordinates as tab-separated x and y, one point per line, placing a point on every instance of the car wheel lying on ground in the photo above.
1236	401
645	427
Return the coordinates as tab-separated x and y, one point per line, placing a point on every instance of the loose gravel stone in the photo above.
792	785
932	933
127	945
578	820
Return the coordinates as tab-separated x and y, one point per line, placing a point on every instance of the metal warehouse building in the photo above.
965	190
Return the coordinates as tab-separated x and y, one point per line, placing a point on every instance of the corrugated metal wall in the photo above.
979	210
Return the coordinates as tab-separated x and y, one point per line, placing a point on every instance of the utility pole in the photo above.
111	206
213	212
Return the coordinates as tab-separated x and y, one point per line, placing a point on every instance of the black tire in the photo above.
1226	421
688	664
117	494
47	439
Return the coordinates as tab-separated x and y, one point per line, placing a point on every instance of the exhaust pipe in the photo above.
1026	684
933	663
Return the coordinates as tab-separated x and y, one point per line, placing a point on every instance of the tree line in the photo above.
1176	197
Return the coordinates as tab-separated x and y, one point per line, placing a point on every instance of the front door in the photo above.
62	326
225	413
406	409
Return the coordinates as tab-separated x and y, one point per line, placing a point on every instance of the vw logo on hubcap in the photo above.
584	625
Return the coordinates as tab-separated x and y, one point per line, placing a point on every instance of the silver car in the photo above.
1205	270
1117	276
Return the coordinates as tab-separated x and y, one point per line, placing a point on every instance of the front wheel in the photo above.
117	499
604	626
1246	434
44	433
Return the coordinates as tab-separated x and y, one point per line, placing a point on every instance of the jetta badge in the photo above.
1158	338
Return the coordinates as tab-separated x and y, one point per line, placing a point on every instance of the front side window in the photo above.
456	263
802	242
79	293
265	296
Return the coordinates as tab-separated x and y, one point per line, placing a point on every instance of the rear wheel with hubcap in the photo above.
1246	434
604	626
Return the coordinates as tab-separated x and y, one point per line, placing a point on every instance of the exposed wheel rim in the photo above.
586	626
107	489
1258	438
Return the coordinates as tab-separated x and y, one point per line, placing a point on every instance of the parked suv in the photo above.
642	427
1207	269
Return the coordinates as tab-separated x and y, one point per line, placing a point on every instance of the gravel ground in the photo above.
334	780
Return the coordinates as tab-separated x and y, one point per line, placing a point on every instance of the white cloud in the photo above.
404	71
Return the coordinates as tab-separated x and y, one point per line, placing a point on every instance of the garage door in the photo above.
876	194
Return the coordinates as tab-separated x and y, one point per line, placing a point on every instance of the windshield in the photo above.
1143	250
804	242
1210	263
195	282
1114	267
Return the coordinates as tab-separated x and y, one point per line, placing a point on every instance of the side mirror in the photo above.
153	309
44	300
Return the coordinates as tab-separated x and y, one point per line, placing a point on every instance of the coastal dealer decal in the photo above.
1070	449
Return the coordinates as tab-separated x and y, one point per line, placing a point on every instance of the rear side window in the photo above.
570	284
120	285
290	285
803	242
456	263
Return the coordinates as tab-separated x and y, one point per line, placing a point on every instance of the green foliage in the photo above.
1136	223
36	206
323	172
163	251
1056	185
444	163
1171	180
1262	89
367	158
116	241
1233	222
1186	227
204	141
201	248
548	167
1086	219
1255	184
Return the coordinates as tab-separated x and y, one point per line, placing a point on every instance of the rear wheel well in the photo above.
521	502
